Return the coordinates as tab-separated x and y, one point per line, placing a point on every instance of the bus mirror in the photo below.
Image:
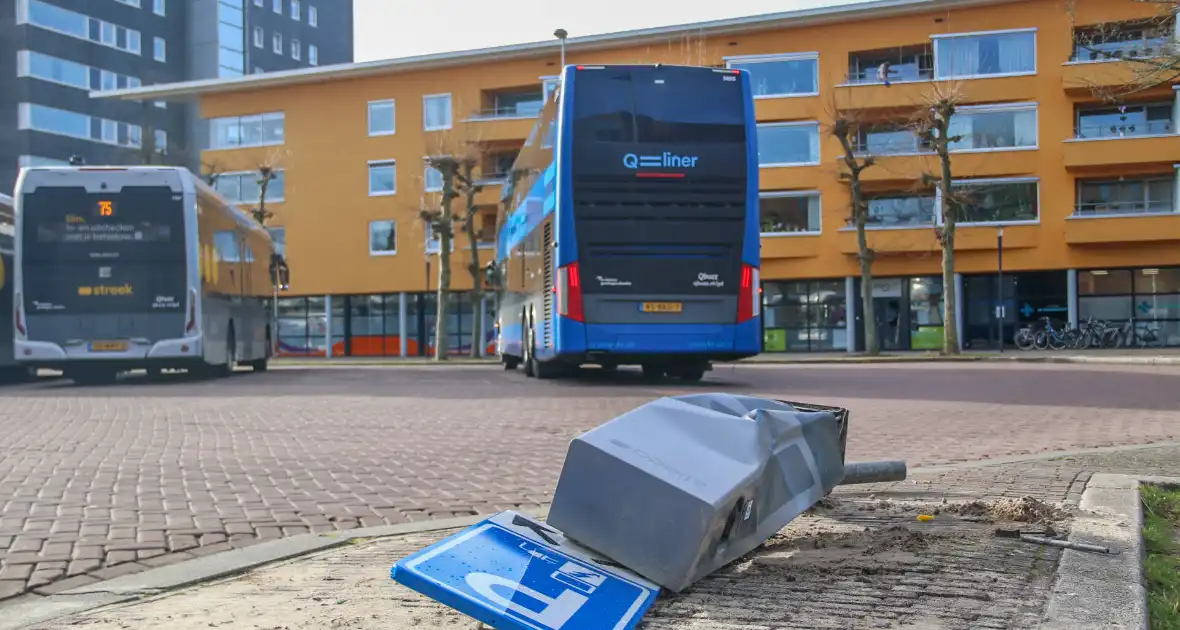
490	275
280	273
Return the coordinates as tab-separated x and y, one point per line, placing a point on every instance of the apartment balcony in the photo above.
1097	65
921	239
1153	142
801	245
866	93
793	177
909	167
1083	230
499	125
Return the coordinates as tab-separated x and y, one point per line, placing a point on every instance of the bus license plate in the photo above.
661	307
108	346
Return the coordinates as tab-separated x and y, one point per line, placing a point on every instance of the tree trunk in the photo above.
950	320
446	227
865	258
476	279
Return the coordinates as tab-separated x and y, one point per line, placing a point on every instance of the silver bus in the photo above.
139	267
9	369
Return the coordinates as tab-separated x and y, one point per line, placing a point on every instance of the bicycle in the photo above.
1053	338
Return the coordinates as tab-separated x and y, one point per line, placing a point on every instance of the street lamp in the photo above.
1000	286
560	34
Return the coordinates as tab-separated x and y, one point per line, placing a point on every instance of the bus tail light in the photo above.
16	316
750	298
569	293
192	312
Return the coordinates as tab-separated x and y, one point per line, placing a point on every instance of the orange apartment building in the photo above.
1084	188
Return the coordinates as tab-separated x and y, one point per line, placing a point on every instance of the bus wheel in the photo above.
529	362
231	354
691	374
652	372
93	376
510	363
260	365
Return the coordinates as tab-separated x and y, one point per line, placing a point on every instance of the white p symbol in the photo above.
552	613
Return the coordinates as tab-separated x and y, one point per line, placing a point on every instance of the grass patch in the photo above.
1161	568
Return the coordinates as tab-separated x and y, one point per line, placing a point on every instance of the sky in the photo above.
399	28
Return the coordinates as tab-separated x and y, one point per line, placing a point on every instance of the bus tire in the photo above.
260	365
93	376
691	374
652	372
510	363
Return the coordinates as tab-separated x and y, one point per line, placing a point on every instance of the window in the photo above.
434	242
313	55
788	144
1123	40
278	236
130	3
382	118
160	104
226	246
75	125
27	161
259	3
47	68
905	63
1143	303
243	186
432	179
382	238
996	201
1126	196
785	75
158	7
259	37
294	9
994	128
296	49
54	18
246	131
382	178
313	16
900	211
1139	119
888	140
436	112
985	54
277	6
160	138
790	213
277	43
804	316
159	52
549	86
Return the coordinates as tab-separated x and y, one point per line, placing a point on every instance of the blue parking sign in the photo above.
512	572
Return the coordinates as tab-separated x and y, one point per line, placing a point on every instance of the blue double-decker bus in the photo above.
630	232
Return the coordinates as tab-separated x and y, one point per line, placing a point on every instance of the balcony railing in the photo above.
527	109
900	146
492	179
896	74
1125	129
1132	49
1104	208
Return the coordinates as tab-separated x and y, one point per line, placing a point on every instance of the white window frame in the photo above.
426	169
295	8
369	178
259	37
450	111
433	245
772	58
279	172
799	123
984	109
392	252
1010	31
160	49
986	180
24	69
25	123
313	55
260	3
276	43
22	17
159	7
277	6
313	16
369	117
779	194
296	50
265	116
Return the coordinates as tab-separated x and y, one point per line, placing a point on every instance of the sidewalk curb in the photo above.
32	609
1094	590
771	360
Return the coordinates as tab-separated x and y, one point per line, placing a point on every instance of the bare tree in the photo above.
470	187
267	172
845	127
1152	48
441	221
211	171
932	123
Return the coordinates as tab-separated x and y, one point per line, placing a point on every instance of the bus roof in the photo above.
5	200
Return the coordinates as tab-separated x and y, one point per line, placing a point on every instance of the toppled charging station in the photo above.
660	496
682	486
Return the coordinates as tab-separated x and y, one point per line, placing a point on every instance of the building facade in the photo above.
53	53
1083	189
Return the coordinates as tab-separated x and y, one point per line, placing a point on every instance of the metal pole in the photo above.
561	34
873	472
1000	287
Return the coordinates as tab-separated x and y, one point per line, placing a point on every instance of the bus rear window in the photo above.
658	105
71	221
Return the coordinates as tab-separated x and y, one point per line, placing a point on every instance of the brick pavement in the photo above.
96	482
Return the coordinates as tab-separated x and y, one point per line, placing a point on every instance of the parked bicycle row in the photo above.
1095	333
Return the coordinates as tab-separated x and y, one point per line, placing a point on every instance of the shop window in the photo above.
926	323
804	316
374	325
302	327
1145	303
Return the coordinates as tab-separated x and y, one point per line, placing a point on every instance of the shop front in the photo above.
907	313
1144	303
804	316
1027	298
380	325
